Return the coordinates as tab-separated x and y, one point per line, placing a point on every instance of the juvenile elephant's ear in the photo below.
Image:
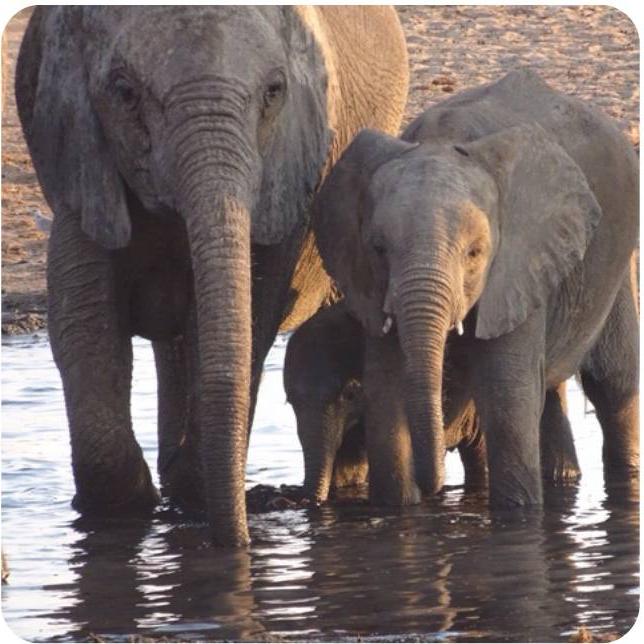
339	210
547	217
64	135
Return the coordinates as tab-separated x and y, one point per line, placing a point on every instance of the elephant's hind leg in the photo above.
178	462
473	453
610	378
559	462
93	352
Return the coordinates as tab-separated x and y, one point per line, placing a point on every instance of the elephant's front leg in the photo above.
92	349
389	449
509	394
179	463
559	462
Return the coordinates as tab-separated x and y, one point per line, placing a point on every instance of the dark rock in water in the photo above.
268	498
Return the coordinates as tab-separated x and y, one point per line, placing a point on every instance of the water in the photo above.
445	570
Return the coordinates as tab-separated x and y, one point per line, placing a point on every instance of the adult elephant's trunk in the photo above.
423	319
214	184
219	235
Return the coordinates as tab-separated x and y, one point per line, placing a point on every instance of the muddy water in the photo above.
446	570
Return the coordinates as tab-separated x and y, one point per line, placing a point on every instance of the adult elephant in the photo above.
179	148
505	219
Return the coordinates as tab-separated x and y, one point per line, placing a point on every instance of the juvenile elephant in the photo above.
505	219
323	374
179	148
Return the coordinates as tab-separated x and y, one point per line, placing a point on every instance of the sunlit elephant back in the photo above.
179	148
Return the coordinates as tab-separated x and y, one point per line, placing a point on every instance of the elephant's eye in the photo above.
379	249
351	391
126	92
474	252
275	90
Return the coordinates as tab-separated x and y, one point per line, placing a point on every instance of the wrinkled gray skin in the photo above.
179	148
512	209
323	379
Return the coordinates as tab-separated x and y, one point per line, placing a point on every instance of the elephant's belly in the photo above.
310	286
154	275
574	324
159	303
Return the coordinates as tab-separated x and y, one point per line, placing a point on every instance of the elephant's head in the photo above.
215	114
437	237
323	370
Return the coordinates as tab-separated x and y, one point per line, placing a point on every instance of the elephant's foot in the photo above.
476	482
181	479
395	493
110	494
511	498
350	474
560	471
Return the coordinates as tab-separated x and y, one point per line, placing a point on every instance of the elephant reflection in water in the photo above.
385	568
131	583
452	567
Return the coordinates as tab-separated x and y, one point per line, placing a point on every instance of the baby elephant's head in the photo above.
432	238
323	382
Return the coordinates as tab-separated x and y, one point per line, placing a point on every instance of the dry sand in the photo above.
590	52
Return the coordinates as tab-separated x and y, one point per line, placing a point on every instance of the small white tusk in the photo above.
459	327
386	327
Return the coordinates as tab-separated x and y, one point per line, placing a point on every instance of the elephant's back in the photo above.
28	68
367	51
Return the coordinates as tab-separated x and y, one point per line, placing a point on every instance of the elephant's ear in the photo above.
547	217
64	135
339	210
297	152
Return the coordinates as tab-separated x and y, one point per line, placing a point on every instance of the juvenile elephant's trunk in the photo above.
214	182
320	447
423	321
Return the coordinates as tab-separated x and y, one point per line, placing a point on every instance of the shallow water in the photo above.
446	570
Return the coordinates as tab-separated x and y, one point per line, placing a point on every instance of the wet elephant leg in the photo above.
509	396
473	453
389	449
90	340
351	464
178	462
559	462
610	378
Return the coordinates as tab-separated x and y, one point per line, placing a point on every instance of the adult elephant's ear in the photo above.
63	133
296	152
547	217
339	210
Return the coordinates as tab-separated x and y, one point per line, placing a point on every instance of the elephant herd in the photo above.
219	174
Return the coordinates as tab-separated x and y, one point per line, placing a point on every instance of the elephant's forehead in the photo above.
419	181
175	40
415	184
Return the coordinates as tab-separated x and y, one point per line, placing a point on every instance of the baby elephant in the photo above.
323	374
